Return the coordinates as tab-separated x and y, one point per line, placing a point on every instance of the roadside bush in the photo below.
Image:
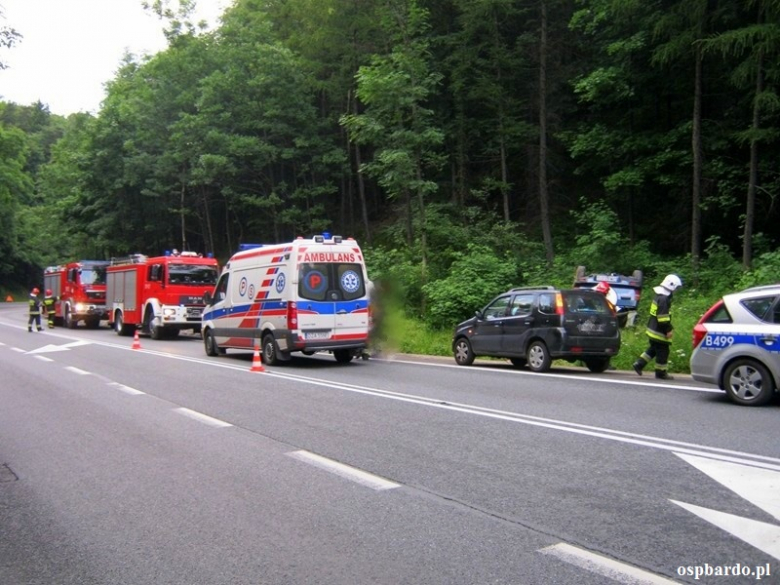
476	276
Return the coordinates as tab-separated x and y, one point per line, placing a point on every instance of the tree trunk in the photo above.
747	242
544	204
698	156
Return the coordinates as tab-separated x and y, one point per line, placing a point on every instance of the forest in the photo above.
468	145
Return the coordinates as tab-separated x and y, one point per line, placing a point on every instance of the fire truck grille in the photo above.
193	313
96	295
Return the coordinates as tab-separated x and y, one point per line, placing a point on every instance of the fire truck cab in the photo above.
80	290
306	296
158	296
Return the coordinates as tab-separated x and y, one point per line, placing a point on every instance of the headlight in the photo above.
80	307
169	312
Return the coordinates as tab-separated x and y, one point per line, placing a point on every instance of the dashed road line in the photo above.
78	371
125	389
204	418
605	566
365	478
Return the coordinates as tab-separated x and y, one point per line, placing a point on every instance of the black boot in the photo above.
663	375
639	365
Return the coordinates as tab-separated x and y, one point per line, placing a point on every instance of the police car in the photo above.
736	345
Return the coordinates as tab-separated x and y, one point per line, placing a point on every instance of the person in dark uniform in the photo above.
659	329
35	310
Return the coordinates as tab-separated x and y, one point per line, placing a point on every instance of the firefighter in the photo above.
35	310
659	329
48	307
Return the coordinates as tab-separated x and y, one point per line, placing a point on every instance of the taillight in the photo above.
558	304
700	331
292	316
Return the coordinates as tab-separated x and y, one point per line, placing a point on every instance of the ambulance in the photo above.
307	296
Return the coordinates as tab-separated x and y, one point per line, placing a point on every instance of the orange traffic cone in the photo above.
136	341
9	299
257	364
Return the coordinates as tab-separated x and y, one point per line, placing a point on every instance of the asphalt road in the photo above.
161	465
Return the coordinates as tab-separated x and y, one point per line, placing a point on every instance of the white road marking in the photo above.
204	418
125	389
18	350
370	480
66	347
605	566
761	487
43	358
763	536
78	371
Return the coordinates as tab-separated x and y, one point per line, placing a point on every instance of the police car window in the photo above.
497	308
760	307
521	305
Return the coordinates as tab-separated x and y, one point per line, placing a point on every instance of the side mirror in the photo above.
479	315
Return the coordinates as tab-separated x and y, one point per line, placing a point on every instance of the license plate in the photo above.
317	334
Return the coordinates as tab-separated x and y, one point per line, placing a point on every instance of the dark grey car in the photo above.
534	326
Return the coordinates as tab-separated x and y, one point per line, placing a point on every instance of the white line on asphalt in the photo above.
43	358
18	350
125	389
204	418
78	371
601	565
370	480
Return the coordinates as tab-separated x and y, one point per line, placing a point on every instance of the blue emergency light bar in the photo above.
242	247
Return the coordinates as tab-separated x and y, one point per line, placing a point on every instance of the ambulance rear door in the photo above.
332	301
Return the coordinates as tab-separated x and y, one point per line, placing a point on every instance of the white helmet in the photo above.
672	282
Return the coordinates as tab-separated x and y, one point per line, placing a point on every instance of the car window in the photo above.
720	315
760	307
547	303
521	305
590	304
497	308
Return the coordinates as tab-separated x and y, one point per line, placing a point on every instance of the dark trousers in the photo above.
658	351
34	317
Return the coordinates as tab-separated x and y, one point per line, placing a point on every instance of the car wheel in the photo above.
519	362
154	331
270	352
119	324
343	356
212	349
464	356
597	365
539	359
748	382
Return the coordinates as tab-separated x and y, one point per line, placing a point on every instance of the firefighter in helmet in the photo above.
48	307
659	329
35	310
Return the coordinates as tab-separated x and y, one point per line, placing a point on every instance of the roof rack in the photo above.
532	288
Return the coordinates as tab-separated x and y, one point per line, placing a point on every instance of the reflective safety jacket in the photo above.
48	302
660	321
35	305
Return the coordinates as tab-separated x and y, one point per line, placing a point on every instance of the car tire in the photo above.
748	382
539	359
343	356
519	362
464	355
597	365
70	323
119	325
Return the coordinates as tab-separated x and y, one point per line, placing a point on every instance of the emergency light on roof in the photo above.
242	247
326	236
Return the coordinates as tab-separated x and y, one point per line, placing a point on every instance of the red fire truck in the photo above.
80	289
158	296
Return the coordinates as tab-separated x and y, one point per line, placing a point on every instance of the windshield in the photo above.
95	275
192	274
331	282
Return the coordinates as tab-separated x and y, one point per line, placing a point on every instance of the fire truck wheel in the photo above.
70	322
155	332
270	351
119	324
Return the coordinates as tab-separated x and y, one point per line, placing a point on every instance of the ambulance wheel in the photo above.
270	351
343	356
212	349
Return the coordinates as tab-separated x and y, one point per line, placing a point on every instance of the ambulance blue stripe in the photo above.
321	308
